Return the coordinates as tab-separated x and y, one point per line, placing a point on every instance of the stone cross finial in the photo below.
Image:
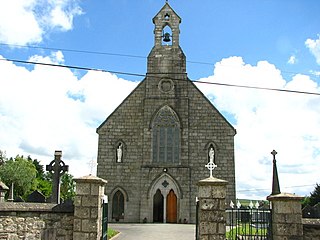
275	178
92	164
57	167
211	166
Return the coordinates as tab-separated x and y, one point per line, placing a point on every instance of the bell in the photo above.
166	37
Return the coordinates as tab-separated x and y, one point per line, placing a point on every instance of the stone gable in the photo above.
137	157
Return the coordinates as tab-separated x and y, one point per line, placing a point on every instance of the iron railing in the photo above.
248	223
105	219
197	219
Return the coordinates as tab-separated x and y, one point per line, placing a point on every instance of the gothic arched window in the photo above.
166	136
118	205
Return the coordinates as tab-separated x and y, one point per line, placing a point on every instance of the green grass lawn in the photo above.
112	233
244	229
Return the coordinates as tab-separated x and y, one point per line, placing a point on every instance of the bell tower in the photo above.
166	55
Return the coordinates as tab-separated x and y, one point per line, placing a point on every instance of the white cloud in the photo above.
292	59
315	73
27	21
314	47
49	108
39	112
62	13
267	120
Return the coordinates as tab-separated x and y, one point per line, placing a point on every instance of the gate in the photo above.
248	223
105	218
197	219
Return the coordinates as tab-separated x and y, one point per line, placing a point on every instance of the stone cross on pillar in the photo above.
57	167
211	166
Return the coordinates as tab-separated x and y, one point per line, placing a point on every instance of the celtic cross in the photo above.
57	167
211	166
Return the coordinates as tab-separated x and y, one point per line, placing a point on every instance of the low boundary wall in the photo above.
36	221
311	228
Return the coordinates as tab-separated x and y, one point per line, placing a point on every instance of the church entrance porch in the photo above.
165	211
164	195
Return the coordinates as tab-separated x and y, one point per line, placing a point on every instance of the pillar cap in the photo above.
90	179
284	197
212	181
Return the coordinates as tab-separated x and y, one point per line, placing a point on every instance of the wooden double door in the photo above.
165	210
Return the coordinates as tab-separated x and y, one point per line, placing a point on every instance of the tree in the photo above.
38	166
21	172
67	188
29	175
3	157
315	196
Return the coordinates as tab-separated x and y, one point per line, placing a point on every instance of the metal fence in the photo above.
248	223
197	219
105	219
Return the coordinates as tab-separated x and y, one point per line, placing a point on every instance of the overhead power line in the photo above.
73	67
119	55
144	75
75	50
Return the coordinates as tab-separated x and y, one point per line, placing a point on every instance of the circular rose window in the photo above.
166	85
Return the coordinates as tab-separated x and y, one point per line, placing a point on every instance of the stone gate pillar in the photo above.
87	224
212	208
286	216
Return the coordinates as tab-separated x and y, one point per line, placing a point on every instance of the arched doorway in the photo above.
158	207
171	207
164	199
118	206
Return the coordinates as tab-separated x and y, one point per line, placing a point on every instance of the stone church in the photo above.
154	147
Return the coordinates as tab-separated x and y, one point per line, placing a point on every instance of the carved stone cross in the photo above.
57	167
211	166
92	164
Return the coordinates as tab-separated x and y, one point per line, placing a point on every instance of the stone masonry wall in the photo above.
34	221
311	228
124	124
207	126
201	125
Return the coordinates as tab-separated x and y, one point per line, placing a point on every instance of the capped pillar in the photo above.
286	210
212	206
87	223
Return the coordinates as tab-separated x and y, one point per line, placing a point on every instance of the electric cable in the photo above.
121	55
145	75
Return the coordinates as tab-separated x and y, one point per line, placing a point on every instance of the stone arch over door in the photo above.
118	204
171	192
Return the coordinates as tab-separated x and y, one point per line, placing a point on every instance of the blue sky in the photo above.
266	43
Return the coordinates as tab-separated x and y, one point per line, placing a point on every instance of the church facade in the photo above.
154	147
